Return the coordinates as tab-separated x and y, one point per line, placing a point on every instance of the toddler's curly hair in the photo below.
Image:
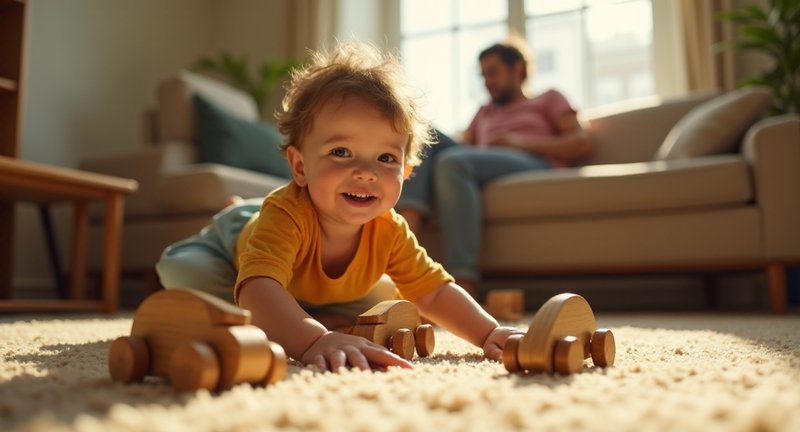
353	69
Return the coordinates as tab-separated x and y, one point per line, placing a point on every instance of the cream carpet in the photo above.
673	372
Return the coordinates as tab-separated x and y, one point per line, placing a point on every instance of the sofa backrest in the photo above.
174	117
635	134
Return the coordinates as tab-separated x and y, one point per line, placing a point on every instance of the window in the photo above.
440	43
594	51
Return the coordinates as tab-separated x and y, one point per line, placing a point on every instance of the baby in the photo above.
309	258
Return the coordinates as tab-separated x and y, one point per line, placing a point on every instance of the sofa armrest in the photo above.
772	147
146	166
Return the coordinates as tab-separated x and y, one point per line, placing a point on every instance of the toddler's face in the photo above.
352	161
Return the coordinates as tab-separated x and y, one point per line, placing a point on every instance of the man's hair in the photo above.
512	50
353	69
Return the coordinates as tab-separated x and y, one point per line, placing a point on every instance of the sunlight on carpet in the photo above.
673	372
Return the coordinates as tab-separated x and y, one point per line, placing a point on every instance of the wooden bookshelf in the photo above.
12	73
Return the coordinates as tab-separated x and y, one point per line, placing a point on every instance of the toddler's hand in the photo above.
333	351
493	346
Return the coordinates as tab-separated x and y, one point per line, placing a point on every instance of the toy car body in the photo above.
195	340
561	335
396	325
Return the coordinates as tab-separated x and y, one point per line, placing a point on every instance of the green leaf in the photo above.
774	18
737	17
755	12
237	71
757	34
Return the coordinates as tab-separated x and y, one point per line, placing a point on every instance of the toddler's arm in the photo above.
452	308
276	312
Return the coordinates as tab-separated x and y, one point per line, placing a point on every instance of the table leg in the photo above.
52	250
6	248
80	237
114	208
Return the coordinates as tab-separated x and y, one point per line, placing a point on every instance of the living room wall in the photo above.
92	68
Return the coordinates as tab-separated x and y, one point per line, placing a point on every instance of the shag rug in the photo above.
673	372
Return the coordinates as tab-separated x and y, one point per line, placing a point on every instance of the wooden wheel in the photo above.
568	355
510	350
402	343
194	366
425	340
277	366
128	359
603	347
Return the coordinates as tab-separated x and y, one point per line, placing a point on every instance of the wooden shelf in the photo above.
12	72
4	3
7	85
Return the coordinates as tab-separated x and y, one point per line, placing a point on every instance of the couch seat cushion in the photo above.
204	188
646	186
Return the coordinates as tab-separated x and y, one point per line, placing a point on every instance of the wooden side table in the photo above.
44	184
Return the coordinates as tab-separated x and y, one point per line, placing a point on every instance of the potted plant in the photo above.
774	31
259	83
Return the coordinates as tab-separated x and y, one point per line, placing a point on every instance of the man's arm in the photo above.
571	144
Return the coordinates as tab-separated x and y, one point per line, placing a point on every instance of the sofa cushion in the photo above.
633	131
228	140
204	188
175	110
716	126
643	186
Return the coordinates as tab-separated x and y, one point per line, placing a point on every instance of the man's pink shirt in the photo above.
531	118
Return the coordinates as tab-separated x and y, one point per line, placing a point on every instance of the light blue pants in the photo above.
450	180
205	262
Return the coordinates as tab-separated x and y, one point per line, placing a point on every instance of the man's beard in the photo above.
503	98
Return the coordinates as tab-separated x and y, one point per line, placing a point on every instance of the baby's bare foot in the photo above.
233	199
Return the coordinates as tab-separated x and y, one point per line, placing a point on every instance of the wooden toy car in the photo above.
196	341
562	334
396	325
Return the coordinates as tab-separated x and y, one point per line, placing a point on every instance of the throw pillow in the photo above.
229	140
715	126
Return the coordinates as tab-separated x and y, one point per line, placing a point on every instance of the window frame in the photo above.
665	70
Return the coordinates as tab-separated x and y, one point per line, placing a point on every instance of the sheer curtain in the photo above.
317	24
314	23
705	68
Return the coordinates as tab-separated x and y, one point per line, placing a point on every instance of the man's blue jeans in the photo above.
450	180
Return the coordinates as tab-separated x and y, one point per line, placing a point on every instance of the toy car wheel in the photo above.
277	364
510	350
603	348
568	356
194	366
425	340
128	359
402	343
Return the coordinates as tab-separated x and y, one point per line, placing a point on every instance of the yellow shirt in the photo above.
282	242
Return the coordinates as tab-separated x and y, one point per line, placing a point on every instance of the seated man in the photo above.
512	133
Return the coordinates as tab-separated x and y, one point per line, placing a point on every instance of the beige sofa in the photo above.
177	194
621	211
